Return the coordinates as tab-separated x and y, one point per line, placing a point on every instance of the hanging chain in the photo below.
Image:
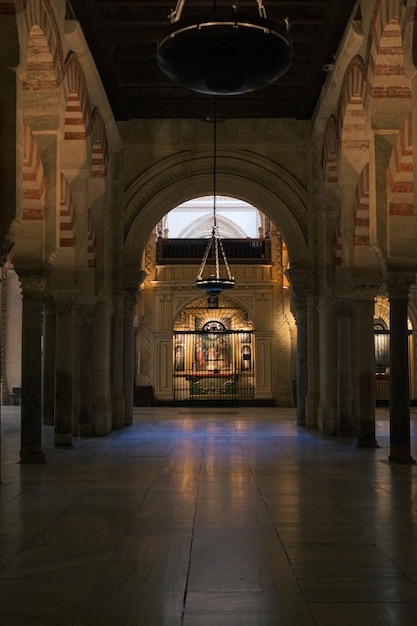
214	163
175	14
262	10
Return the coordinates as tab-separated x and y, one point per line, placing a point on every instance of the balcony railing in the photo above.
191	251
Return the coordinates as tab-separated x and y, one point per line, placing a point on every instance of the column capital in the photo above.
366	290
64	301
398	284
345	307
33	286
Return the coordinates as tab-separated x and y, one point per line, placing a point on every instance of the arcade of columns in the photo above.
81	193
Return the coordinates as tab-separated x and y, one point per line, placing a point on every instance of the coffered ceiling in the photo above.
123	37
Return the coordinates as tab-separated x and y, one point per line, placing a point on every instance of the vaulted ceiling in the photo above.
123	36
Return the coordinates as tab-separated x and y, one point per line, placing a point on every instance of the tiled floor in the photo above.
205	517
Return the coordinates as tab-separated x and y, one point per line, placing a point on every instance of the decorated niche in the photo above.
213	351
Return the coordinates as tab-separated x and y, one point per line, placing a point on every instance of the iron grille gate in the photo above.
382	366
213	365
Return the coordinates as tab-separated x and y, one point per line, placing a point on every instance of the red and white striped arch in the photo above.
66	216
33	178
400	173
100	149
361	209
78	111
44	56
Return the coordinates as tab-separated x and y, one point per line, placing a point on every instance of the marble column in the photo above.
64	304
364	367
298	279
102	407
327	409
398	284
344	366
85	389
313	363
48	362
302	375
31	409
129	354
118	400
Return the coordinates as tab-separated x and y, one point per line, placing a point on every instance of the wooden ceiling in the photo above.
123	35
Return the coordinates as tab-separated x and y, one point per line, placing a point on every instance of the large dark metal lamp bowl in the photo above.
225	56
214	286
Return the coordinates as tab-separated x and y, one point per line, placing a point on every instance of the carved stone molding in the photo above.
64	301
33	286
398	284
344	307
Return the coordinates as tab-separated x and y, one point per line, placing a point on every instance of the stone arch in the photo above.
331	234
401	229
77	122
66	216
100	148
227	228
243	175
229	300
354	151
363	255
389	89
33	178
44	67
45	56
96	240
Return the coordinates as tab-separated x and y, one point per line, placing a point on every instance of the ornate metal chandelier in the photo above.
226	54
214	283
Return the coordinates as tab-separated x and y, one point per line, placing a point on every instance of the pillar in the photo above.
85	389
64	303
31	409
327	409
299	280
118	400
302	375
399	394
313	364
48	362
128	354
365	367
102	408
344	309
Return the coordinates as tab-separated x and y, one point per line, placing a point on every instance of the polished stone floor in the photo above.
208	517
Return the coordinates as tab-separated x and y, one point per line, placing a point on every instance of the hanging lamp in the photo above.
214	283
226	54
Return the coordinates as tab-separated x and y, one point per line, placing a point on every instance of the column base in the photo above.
63	439
32	457
367	443
404	460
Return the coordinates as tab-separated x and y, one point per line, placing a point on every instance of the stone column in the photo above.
313	363
48	362
118	400
302	374
64	304
299	281
327	409
364	367
344	366
129	354
85	390
102	408
31	409
398	284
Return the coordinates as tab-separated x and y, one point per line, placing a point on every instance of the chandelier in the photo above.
224	54
214	283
